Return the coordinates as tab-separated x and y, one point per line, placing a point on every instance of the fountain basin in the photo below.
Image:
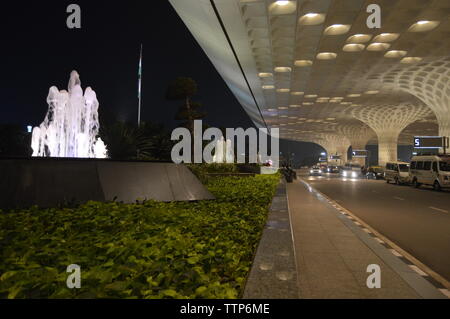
49	182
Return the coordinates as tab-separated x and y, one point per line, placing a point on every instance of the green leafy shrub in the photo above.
153	250
202	170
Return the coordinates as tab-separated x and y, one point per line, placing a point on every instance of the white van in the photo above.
352	170
431	170
397	172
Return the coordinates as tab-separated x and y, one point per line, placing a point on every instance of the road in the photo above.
417	220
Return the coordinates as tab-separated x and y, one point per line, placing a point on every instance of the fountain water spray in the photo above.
71	125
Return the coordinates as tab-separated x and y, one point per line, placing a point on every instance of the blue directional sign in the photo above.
359	153
424	142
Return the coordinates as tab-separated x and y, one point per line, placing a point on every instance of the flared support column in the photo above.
342	150
444	130
387	148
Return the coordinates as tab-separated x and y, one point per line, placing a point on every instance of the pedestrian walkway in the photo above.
332	254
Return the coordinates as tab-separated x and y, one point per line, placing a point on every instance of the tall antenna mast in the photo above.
140	88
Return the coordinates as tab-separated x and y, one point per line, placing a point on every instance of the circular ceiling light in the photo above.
423	26
326	56
386	37
353	47
294	105
377	46
298	93
312	19
271	110
302	63
337	29
410	60
283	108
307	103
311	96
282	3
395	54
354	95
359	38
268	87
265	75
283	90
372	92
283	69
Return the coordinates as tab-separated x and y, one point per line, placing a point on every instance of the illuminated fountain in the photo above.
224	151
71	126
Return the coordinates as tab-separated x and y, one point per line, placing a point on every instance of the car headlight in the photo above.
311	171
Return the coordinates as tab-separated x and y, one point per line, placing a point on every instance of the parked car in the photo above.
315	170
431	170
375	172
397	172
352	170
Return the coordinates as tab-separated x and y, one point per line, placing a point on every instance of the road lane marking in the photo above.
396	253
445	292
418	270
398	198
439	210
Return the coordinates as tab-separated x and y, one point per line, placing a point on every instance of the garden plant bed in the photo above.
199	249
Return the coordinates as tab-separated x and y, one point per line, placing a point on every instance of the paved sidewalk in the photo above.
332	254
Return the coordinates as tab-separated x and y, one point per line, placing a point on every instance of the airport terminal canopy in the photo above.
311	67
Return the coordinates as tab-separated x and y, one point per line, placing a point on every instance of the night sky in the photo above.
39	51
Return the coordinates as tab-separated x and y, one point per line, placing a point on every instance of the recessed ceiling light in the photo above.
282	3
337	29
326	56
283	69
271	110
346	103
377	46
372	92
297	93
282	107
423	26
307	103
302	63
268	87
283	90
395	54
353	47
312	19
410	60
294	105
386	37
311	96
265	75
359	38
354	95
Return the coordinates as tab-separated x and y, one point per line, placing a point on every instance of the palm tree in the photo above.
14	141
124	140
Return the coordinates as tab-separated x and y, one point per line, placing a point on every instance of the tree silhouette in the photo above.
183	88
